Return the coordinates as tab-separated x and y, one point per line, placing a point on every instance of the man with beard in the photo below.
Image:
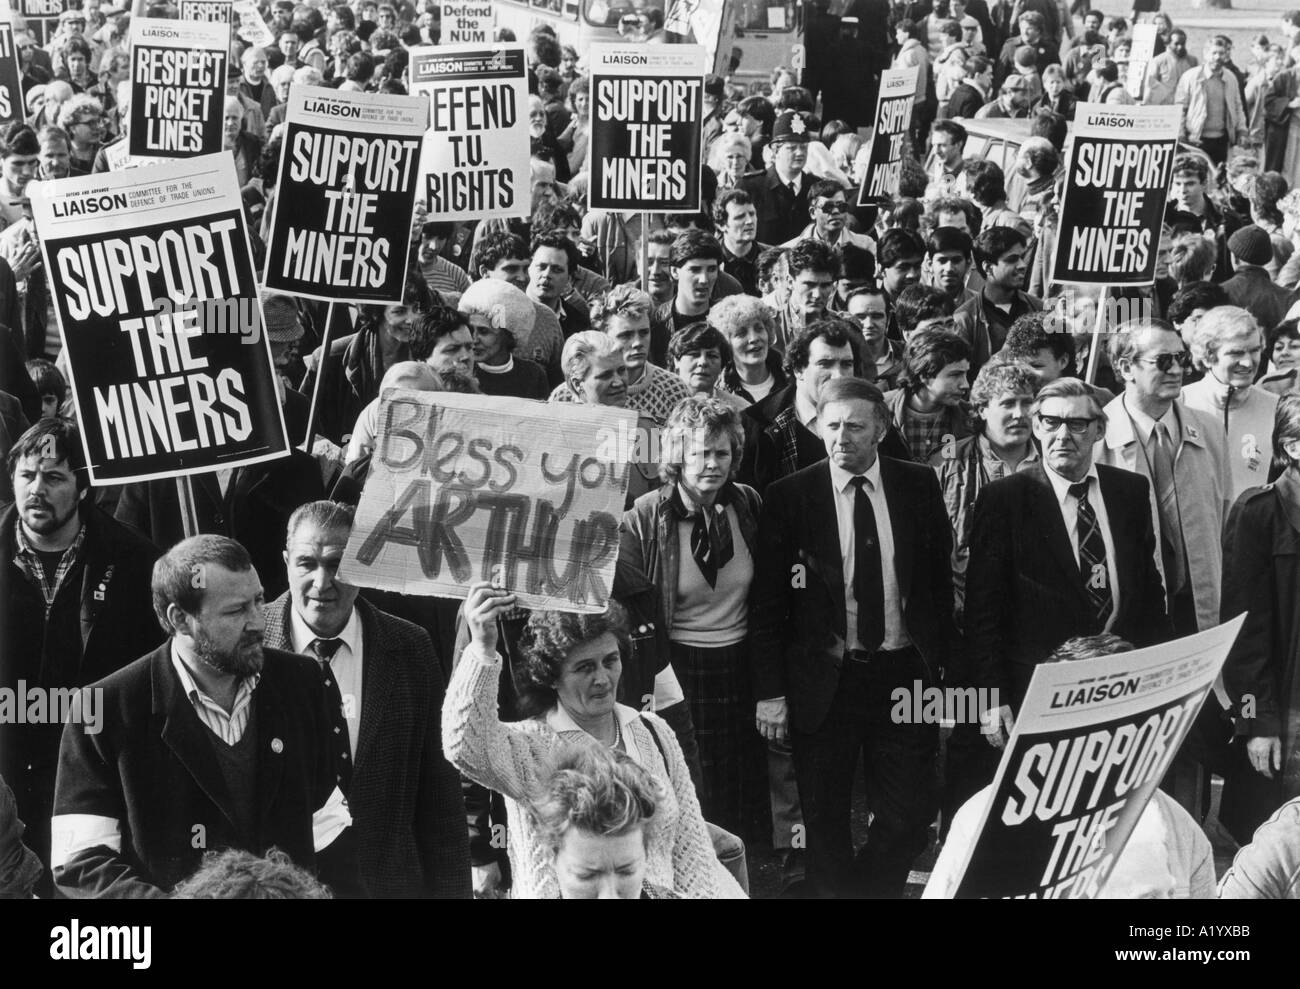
74	586
209	742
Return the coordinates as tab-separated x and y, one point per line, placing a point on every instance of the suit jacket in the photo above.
152	771
781	214
1204	483
1024	592
408	816
798	626
254	509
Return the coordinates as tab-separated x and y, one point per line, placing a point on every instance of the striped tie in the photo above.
1092	559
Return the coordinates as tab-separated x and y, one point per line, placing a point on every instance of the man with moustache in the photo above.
74	605
385	689
209	742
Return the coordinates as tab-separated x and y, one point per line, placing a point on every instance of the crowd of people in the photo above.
894	455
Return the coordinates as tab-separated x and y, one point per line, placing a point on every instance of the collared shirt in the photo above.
346	665
1146	425
1070	512
562	723
895	632
28	560
227	726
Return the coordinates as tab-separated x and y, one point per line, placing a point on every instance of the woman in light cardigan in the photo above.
569	682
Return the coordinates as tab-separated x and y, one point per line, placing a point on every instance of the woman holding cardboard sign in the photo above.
567	683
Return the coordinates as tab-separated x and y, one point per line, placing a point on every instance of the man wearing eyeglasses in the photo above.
1183	453
829	209
1012	101
1062	549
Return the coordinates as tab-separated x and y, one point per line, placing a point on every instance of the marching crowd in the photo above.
894	456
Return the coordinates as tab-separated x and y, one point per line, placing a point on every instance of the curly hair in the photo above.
622	300
738	312
998	377
702	417
813	255
836	332
595	789
546	642
438	322
235	874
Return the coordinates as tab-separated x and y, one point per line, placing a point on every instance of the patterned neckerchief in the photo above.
33	567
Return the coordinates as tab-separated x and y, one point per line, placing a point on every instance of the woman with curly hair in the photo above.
567	684
593	814
694	539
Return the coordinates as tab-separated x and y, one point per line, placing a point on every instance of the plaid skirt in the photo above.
717	687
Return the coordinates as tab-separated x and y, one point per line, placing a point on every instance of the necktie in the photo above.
324	650
868	577
1092	559
711	545
1173	551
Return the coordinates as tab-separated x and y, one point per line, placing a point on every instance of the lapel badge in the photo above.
277	746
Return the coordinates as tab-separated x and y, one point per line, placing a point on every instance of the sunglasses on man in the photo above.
1165	362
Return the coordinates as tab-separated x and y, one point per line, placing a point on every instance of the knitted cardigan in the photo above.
510	758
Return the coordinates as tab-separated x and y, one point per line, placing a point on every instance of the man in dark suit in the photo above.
251	504
1062	550
209	742
852	600
780	194
74	606
408	837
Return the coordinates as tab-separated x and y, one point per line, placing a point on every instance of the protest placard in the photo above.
646	110
467	22
707	23
251	26
474	161
1092	741
11	75
893	117
119	157
212	11
1141	52
178	87
1117	181
158	306
341	223
474	487
41	18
